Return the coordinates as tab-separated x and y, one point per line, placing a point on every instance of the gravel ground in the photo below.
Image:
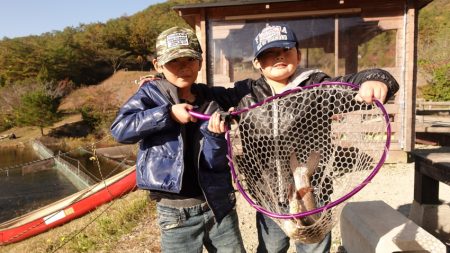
394	184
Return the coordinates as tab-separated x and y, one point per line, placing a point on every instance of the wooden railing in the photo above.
432	117
427	107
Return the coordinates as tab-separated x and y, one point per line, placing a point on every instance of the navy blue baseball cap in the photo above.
274	36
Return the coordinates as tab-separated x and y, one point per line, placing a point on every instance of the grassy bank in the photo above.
99	231
105	229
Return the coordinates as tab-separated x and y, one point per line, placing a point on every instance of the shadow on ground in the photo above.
75	130
404	209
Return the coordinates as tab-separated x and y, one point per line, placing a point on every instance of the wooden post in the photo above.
336	46
410	76
426	189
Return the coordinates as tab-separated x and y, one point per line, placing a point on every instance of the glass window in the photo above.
362	44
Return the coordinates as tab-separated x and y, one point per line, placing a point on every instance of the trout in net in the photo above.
298	156
301	197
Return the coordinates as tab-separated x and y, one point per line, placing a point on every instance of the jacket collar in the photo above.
300	75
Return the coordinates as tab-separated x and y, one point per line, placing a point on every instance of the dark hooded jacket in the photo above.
249	92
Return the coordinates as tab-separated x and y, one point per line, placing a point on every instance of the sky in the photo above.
33	17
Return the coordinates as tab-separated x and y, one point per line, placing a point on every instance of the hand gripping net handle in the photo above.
328	86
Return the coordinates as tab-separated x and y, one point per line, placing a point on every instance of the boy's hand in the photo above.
180	113
216	124
144	79
371	90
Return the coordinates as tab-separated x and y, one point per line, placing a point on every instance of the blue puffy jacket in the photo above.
145	118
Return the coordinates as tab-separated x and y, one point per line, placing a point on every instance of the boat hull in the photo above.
67	209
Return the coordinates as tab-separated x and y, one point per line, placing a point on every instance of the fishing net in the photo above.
298	156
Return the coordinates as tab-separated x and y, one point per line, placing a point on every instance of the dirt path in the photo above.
393	185
25	134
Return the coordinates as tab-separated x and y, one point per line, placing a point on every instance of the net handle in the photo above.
331	204
202	116
296	89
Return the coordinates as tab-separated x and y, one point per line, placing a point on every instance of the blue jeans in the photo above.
189	229
272	239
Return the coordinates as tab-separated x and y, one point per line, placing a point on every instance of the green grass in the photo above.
98	231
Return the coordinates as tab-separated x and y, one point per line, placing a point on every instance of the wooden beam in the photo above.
387	23
336	46
409	84
295	14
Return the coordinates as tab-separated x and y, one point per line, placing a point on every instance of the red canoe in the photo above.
67	209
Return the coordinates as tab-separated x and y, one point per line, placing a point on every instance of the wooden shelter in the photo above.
336	36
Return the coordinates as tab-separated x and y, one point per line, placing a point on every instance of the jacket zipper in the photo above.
276	134
198	174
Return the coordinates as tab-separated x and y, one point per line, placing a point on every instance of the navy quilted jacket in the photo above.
145	118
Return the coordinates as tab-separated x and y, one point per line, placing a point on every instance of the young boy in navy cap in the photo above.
277	56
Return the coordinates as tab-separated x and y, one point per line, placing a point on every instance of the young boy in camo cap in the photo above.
182	161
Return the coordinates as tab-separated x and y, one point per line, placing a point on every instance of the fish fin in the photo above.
291	191
303	191
294	162
313	162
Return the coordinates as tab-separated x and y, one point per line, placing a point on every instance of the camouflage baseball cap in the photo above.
177	42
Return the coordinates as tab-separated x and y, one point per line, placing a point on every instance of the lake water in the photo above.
36	184
103	169
21	192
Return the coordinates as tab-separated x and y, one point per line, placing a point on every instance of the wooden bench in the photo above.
432	166
375	227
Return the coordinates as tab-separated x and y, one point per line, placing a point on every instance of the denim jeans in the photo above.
272	239
189	229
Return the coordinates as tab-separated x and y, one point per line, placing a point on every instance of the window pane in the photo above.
362	44
231	50
379	51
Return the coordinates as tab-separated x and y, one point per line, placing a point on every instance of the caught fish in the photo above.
301	195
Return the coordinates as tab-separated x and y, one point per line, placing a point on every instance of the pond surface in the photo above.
13	156
26	188
97	167
27	183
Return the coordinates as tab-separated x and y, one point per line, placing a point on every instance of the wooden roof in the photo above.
224	3
229	3
266	9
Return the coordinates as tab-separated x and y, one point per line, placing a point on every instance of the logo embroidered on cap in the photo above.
269	34
177	39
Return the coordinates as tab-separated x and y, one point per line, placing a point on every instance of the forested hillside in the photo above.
88	53
49	66
40	70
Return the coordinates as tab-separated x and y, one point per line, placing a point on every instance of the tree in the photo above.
434	50
439	88
116	32
145	26
17	59
37	108
114	57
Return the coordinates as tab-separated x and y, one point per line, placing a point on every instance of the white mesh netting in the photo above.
307	150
